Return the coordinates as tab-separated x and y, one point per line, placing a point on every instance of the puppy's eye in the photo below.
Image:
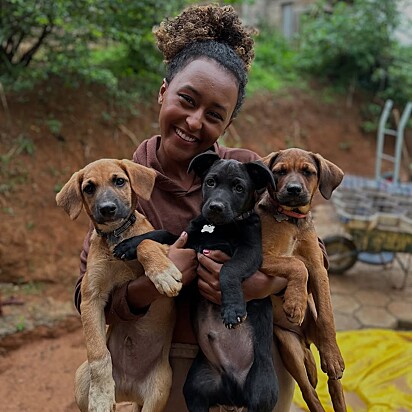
239	189
307	172
210	182
89	189
280	172
119	181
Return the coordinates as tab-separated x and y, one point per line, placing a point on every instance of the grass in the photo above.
28	288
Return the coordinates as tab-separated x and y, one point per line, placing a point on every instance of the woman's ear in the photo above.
162	91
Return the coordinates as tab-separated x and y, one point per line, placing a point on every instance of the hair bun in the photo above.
200	23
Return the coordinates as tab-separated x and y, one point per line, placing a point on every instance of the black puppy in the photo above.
234	367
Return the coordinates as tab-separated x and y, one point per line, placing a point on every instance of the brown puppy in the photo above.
139	371
291	250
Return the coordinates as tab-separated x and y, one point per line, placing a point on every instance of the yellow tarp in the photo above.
378	373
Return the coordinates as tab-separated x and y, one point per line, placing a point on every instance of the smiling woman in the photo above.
208	53
196	108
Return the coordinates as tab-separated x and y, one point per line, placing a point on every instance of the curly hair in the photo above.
213	32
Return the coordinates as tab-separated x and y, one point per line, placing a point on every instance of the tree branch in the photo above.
27	57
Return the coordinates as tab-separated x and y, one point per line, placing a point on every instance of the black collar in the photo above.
113	236
245	215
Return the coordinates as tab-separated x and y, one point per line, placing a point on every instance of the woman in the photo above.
208	53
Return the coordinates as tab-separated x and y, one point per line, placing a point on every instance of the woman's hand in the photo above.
184	259
257	286
210	263
260	285
141	292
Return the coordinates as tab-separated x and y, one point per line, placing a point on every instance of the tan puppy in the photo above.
291	250
108	190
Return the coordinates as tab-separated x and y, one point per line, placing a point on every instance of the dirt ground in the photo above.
48	134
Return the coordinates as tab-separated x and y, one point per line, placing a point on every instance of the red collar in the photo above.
287	212
291	213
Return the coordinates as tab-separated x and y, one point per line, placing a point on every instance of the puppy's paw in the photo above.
233	315
295	311
98	403
332	364
167	282
102	387
126	250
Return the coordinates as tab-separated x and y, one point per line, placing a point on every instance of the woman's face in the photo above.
196	108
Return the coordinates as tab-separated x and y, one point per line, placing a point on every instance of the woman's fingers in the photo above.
216	255
208	271
181	241
209	292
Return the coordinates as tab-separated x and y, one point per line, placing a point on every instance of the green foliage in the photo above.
21	324
12	170
398	76
355	44
62	37
54	126
274	64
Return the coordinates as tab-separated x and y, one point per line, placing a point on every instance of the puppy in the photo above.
138	369
291	249
234	365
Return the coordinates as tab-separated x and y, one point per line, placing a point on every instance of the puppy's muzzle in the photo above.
109	209
293	194
216	207
217	212
294	189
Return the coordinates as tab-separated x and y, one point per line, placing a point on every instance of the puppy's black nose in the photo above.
216	207
294	189
107	209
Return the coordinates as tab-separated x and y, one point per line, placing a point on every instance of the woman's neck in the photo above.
176	171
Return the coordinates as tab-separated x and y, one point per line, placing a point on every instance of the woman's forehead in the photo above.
207	76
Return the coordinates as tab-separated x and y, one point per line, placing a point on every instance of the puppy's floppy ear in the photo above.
270	159
330	175
142	178
261	175
201	163
70	196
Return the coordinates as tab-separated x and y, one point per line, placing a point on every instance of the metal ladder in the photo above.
398	134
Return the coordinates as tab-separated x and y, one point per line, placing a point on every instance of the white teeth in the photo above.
184	136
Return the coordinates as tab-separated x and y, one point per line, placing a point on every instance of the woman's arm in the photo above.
257	286
141	292
132	300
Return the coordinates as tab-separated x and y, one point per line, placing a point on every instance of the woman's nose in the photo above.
194	121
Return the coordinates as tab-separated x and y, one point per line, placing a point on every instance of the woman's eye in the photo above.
187	98
210	182
216	115
119	181
89	189
239	188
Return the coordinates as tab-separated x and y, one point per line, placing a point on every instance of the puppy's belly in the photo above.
138	346
230	351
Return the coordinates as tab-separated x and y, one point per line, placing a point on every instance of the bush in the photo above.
274	66
355	44
62	37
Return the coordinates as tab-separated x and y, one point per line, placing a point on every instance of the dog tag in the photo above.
208	228
279	217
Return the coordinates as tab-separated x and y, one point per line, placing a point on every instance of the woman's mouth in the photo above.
184	136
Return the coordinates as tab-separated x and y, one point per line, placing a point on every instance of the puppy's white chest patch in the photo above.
208	229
